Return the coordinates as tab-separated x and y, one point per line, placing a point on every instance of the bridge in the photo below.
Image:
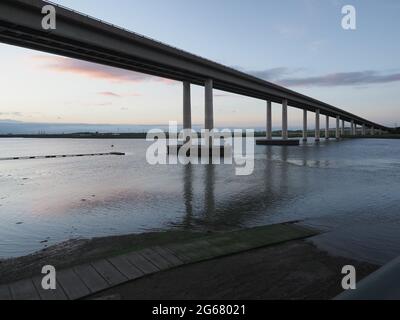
86	38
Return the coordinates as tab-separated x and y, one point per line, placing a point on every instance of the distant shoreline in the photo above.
142	135
89	135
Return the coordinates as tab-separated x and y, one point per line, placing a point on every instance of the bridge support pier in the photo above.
364	130
343	129
337	128
285	135
187	108
209	105
327	128
305	129
269	120
372	131
353	131
317	122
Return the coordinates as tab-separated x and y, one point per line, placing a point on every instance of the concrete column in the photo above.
317	122
364	130
305	129
372	131
327	128
187	108
353	131
343	128
285	135
209	105
337	127
269	120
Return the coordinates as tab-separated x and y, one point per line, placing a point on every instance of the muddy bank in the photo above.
293	270
75	252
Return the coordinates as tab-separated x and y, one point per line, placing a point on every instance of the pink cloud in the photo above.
117	95
109	94
93	70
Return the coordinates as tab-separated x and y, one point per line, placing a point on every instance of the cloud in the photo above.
100	104
11	114
93	70
109	94
342	79
279	75
359	78
274	73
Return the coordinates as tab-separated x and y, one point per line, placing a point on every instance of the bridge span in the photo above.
86	38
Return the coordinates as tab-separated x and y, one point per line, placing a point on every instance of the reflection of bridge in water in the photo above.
208	208
214	198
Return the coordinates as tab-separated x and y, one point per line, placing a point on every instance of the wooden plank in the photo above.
73	286
126	268
156	259
177	250
92	279
57	294
109	272
141	263
168	255
24	290
5	293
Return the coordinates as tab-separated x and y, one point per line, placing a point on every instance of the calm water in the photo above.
349	189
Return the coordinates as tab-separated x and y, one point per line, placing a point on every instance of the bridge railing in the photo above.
136	34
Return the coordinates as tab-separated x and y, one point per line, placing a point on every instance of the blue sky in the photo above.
297	43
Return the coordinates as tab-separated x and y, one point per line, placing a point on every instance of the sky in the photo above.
299	44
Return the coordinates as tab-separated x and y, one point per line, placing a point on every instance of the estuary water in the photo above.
349	189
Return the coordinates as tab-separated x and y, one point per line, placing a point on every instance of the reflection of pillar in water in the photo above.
284	169
188	193
305	153
269	172
209	190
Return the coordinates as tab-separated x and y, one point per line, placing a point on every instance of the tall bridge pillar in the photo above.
337	127
305	129
209	105
372	131
353	128
364	130
317	123
343	128
327	128
285	135
269	120
187	108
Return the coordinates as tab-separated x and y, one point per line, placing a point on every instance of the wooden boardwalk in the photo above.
85	280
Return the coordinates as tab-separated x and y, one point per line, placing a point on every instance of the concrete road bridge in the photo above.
86	38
